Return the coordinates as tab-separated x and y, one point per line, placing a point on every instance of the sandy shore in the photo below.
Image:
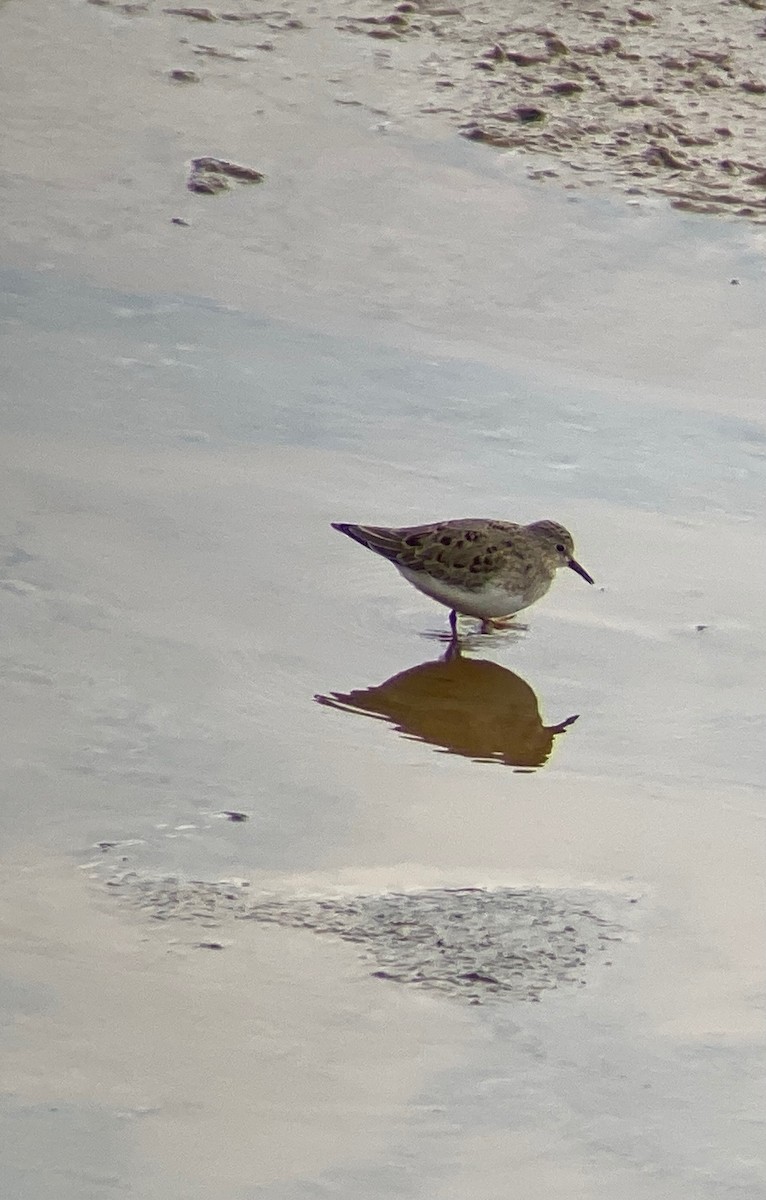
653	98
649	98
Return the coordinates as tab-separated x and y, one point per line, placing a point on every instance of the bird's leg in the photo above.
453	624
452	652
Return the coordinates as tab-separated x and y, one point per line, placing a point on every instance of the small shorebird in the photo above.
477	567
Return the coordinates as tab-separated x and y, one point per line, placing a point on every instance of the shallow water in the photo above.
175	602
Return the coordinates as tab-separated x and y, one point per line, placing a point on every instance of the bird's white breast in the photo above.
488	601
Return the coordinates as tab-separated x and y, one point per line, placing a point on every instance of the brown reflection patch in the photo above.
459	705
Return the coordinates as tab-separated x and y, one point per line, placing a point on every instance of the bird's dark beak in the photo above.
580	570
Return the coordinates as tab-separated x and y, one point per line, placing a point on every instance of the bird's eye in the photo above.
561	549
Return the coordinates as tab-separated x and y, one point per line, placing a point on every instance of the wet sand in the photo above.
653	99
182	421
444	245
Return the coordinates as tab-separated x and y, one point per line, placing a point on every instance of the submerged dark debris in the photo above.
471	944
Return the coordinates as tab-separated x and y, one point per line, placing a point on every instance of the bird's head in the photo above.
557	545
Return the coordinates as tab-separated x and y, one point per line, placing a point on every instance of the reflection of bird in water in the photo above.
481	568
462	706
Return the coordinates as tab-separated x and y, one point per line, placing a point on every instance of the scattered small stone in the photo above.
524	60
721	58
179	221
755	87
660	156
210	945
702	628
182	76
565	87
640	16
234	815
198	14
529	112
210	175
214	52
207	183
685	139
129	10
555	46
476	133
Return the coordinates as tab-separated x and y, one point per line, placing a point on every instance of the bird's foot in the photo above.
493	623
